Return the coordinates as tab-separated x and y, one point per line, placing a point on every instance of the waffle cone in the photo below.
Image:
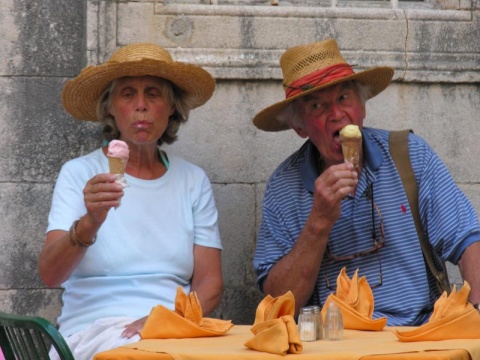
116	165
351	150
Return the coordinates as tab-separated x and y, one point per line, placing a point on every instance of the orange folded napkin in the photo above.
453	317
275	329
354	297
186	321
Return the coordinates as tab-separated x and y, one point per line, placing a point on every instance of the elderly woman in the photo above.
116	251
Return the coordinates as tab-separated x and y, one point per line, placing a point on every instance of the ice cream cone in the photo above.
117	155
351	140
351	150
116	165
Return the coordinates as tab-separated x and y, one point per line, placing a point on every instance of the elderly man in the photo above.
321	214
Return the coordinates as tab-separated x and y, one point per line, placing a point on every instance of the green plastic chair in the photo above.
30	338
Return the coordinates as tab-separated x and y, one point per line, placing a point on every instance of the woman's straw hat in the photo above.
311	67
80	95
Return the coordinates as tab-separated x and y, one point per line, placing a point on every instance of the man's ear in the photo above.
298	130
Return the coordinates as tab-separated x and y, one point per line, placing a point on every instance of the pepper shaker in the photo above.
319	321
333	323
307	325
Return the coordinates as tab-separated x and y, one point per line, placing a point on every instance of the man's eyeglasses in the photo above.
378	243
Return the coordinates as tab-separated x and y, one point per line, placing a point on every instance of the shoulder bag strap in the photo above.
401	158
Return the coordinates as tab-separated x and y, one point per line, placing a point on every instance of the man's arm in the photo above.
298	270
468	265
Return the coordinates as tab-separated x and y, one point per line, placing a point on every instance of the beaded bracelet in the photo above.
75	240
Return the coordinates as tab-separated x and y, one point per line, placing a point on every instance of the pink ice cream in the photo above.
118	149
117	159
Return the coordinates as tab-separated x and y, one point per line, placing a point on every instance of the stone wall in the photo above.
436	92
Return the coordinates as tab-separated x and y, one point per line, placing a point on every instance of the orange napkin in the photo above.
275	329
355	299
453	317
186	321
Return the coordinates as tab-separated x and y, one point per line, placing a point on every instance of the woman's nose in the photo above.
141	103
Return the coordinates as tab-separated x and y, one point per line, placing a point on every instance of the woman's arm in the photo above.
59	255
207	280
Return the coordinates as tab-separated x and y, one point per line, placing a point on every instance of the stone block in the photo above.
239	304
448	43
224	127
25	207
42	38
36	135
236	204
245	41
259	193
443	114
472	191
454	275
35	302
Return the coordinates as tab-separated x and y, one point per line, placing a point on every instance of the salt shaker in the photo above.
307	325
318	320
333	323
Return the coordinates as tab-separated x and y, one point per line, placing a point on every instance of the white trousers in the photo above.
103	334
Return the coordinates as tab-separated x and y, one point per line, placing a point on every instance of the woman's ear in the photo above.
110	112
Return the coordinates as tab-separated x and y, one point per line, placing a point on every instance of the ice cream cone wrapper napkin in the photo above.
354	298
186	321
453	317
275	328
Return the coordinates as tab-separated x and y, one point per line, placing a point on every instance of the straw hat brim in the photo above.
377	79
80	95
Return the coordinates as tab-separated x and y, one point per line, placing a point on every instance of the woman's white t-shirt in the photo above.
144	249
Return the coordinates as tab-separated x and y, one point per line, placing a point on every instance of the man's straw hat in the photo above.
80	95
311	67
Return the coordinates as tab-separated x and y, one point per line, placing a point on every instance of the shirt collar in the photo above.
309	171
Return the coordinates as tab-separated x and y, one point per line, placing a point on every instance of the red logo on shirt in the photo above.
404	209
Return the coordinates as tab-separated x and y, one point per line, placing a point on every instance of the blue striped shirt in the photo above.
409	290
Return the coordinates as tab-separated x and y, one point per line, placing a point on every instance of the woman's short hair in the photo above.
291	114
168	90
